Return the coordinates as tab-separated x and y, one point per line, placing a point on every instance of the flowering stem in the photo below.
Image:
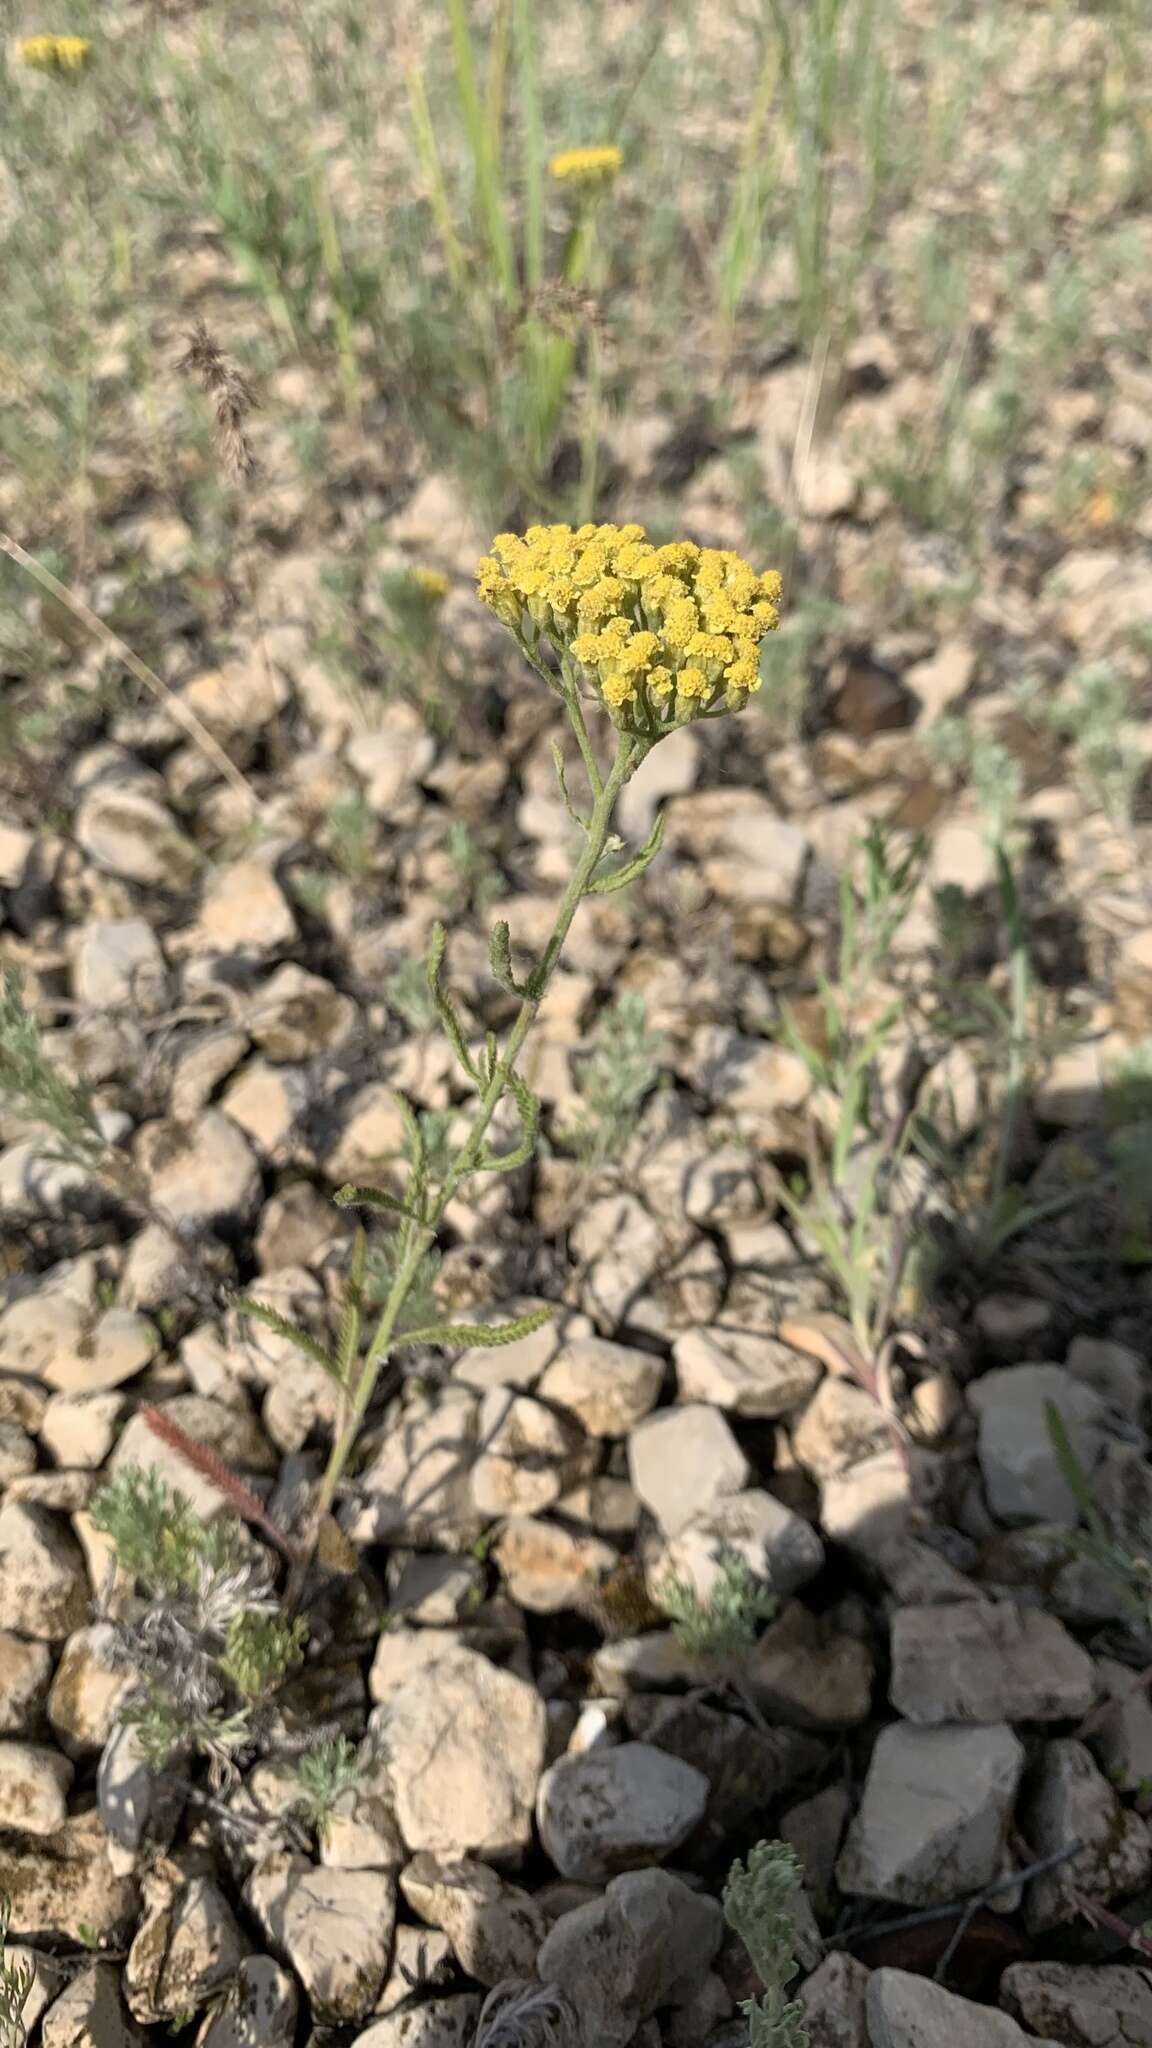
419	1236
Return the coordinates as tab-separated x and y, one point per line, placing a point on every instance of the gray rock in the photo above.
298	1016
127	833
259	2009
136	1806
1021	1472
748	1769
527	1455
609	1388
1082	2006
832	2003
431	2023
463	1744
89	2014
64	1884
34	1784
683	1460
778	1546
494	1927
17	1453
868	1508
986	1661
90	1685
43	1584
644	1945
934	1816
841	1425
911	2012
188	1947
807	1673
416	1489
200	1174
1120	1734
744	1372
333	1926
615	1809
547	1568
1069	1800
420	1956
117	964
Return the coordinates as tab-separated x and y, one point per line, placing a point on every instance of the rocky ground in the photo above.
948	1715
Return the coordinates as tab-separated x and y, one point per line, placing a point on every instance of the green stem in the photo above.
420	1236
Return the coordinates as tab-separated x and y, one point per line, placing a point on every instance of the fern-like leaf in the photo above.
619	878
284	1327
465	1336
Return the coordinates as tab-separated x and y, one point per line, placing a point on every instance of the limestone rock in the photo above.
547	1568
89	2013
188	1946
682	1460
126	832
494	1927
832	2003
64	1884
934	1816
985	1661
333	1926
230	1431
777	1546
615	1809
608	1387
90	1684
428	2023
743	1372
25	1675
1069	1800
1022	1476
43	1584
644	1945
259	2010
1081	2006
806	1673
117	964
526	1458
298	1016
200	1174
463	1744
244	911
34	1782
911	2012
79	1430
416	1489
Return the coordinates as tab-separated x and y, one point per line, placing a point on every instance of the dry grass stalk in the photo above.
212	1467
232	400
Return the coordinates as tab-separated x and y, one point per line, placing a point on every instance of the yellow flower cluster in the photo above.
432	584
666	633
594	166
64	56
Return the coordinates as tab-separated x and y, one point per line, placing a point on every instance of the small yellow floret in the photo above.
681	621
595	165
691	683
618	689
433	584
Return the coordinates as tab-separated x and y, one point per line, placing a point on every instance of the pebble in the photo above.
934	1815
682	1460
985	1661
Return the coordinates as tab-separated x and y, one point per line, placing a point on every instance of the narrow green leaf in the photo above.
607	885
484	159
500	959
489	1335
531	140
352	1197
1072	1471
283	1327
529	1110
445	1008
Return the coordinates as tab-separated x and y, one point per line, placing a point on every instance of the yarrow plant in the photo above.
658	638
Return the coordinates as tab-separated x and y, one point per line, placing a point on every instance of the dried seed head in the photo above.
232	399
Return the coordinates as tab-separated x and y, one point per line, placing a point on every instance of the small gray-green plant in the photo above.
613	1081
726	1625
209	1641
322	1775
1095	713
34	1087
756	1905
16	1980
350	830
406	991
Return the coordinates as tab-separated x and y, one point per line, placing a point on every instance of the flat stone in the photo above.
1081	2005
748	1076
79	1430
371	1136
416	1490
187	1948
868	1507
430	2023
333	1926
463	1744
494	1927
777	1546
682	1460
34	1784
92	1680
420	1955
117	964
616	1809
644	1945
985	1661
744	1372
1069	1800
89	2013
118	1346
904	2011
840	1426
608	1387
748	1769
934	1815
269	1104
805	1673
1021	1472
832	2003
200	1174
244	910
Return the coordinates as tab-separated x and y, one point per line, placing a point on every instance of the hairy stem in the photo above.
420	1235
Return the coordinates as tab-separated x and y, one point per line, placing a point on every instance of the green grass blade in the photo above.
484	159
433	170
531	139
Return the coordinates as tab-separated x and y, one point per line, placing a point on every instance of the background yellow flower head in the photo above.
596	165
61	56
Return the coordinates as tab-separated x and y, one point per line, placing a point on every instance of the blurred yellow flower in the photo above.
61	56
432	584
596	165
638	620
